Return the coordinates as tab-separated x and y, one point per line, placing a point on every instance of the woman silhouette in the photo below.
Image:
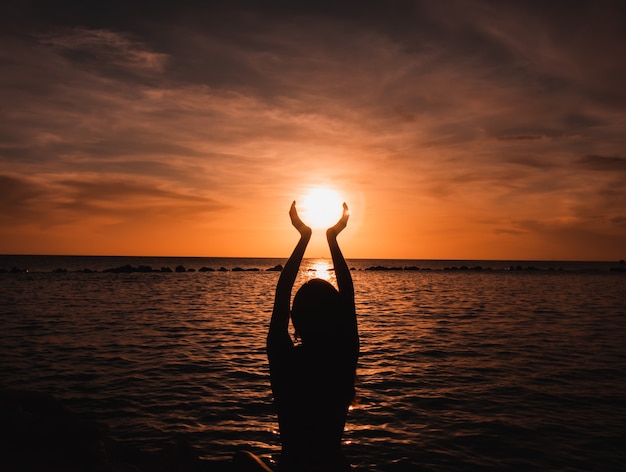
312	383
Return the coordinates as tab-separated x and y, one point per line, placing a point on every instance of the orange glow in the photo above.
321	207
186	158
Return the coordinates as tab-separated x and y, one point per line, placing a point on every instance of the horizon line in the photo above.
286	257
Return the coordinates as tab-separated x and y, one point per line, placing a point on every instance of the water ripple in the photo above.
458	371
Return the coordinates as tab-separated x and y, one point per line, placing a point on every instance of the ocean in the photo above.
465	365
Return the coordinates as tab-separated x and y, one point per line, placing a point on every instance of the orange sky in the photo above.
488	132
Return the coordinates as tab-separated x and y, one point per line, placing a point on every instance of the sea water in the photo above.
465	365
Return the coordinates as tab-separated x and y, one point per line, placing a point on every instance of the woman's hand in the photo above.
341	224
303	229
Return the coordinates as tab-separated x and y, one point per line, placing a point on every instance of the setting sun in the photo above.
321	207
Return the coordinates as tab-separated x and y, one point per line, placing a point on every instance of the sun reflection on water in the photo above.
320	269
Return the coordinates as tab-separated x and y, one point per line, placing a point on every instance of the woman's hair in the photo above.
316	310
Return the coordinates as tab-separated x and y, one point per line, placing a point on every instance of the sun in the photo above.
321	207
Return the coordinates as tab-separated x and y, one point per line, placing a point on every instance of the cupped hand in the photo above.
341	224
297	222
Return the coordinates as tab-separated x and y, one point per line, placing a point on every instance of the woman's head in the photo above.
316	310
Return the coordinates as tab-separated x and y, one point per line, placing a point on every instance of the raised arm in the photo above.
279	323
342	273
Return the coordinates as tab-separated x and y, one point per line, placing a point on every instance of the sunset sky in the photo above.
453	129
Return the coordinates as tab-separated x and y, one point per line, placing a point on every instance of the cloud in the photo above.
18	194
619	221
226	105
74	200
533	161
104	50
521	137
577	240
112	196
603	163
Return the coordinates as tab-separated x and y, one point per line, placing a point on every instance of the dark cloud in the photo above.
110	196
527	137
23	200
509	231
619	221
18	192
534	162
106	53
603	163
66	201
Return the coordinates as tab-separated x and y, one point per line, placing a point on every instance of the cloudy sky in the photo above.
453	129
